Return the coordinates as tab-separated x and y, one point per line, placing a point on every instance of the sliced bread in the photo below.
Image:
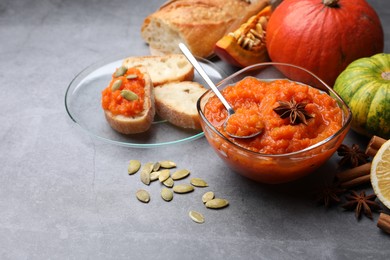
176	102
142	121
164	69
197	23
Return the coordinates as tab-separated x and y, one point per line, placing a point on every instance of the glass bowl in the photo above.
274	168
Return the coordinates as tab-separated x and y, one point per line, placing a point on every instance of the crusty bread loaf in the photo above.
143	121
163	69
176	102
197	23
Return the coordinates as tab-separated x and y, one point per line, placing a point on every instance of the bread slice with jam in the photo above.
128	101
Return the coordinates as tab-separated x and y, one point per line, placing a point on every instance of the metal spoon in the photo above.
207	79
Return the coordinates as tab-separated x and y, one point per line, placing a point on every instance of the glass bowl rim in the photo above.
345	125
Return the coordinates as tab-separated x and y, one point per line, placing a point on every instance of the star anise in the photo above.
352	155
329	194
295	111
359	202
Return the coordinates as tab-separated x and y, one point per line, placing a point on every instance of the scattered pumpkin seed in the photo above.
145	173
164	175
120	71
217	203
156	166
129	95
134	166
148	167
166	194
167	164
183	188
145	178
154	175
196	216
180	174
207	196
198	182
151	172
116	85
169	182
143	196
131	76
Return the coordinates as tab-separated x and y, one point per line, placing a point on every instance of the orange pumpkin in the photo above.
323	36
246	45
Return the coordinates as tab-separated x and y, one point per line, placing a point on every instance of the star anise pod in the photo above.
295	111
359	202
352	155
329	194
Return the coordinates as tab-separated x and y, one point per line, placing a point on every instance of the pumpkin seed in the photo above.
259	28
134	166
198	182
156	166
120	71
129	95
246	43
145	173
131	76
180	174
256	33
263	21
164	175
240	40
217	203
256	42
250	36
166	194
196	216
207	196
167	164
169	182
145	178
116	85
154	175
143	196
183	188
148	167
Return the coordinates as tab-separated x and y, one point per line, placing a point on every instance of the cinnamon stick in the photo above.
353	173
373	146
371	151
355	176
355	182
384	222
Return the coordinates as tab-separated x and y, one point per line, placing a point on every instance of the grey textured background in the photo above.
65	195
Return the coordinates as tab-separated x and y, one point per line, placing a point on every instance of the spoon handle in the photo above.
203	74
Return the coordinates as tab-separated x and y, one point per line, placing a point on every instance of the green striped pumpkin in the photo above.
365	86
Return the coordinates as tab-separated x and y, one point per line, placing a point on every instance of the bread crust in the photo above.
142	122
197	23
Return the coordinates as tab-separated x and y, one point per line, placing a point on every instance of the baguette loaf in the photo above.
163	69
176	102
197	23
142	121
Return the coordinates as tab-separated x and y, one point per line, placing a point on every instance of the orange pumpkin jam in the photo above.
254	101
113	101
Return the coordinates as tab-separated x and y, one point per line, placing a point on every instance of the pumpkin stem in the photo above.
386	75
331	3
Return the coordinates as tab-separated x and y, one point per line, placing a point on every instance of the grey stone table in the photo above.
66	195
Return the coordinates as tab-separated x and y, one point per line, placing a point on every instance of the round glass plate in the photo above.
83	104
